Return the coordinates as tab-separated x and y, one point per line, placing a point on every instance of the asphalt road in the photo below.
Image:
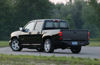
86	52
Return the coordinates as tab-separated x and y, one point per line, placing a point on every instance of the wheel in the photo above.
76	49
48	46
40	49
15	46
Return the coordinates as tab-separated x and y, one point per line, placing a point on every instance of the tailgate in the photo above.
75	35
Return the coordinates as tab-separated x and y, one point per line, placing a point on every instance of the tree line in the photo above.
80	14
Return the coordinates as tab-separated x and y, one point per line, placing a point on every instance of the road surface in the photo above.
86	52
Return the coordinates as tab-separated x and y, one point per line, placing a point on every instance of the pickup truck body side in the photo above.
35	33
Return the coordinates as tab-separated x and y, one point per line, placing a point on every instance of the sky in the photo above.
59	1
63	1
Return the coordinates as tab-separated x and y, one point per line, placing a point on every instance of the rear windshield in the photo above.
56	25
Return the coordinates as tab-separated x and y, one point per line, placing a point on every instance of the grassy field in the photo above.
4	43
44	60
92	43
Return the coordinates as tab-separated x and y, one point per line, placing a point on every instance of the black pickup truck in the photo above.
47	35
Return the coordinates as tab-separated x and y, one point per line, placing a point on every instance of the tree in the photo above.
4	11
15	13
96	6
76	13
90	17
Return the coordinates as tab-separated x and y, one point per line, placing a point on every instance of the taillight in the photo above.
60	34
88	35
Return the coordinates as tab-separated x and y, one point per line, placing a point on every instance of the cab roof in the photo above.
47	19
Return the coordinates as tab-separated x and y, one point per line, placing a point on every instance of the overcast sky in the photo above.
59	1
62	1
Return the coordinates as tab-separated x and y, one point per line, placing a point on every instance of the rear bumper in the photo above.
69	43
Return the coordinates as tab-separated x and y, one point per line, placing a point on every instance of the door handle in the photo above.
29	33
38	32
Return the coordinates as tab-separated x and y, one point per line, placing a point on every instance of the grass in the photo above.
92	43
44	60
4	43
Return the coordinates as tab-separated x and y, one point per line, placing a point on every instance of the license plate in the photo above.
74	43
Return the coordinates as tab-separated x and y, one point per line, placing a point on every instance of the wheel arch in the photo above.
46	37
14	37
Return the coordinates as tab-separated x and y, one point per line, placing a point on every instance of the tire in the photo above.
15	45
40	49
76	49
48	46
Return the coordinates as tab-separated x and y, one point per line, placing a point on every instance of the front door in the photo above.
25	37
33	34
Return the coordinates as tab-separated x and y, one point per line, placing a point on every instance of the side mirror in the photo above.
21	28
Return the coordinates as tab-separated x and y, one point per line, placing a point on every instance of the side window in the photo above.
30	26
49	25
39	26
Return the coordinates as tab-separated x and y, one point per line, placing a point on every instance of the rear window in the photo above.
56	25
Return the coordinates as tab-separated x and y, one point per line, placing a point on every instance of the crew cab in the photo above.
48	35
